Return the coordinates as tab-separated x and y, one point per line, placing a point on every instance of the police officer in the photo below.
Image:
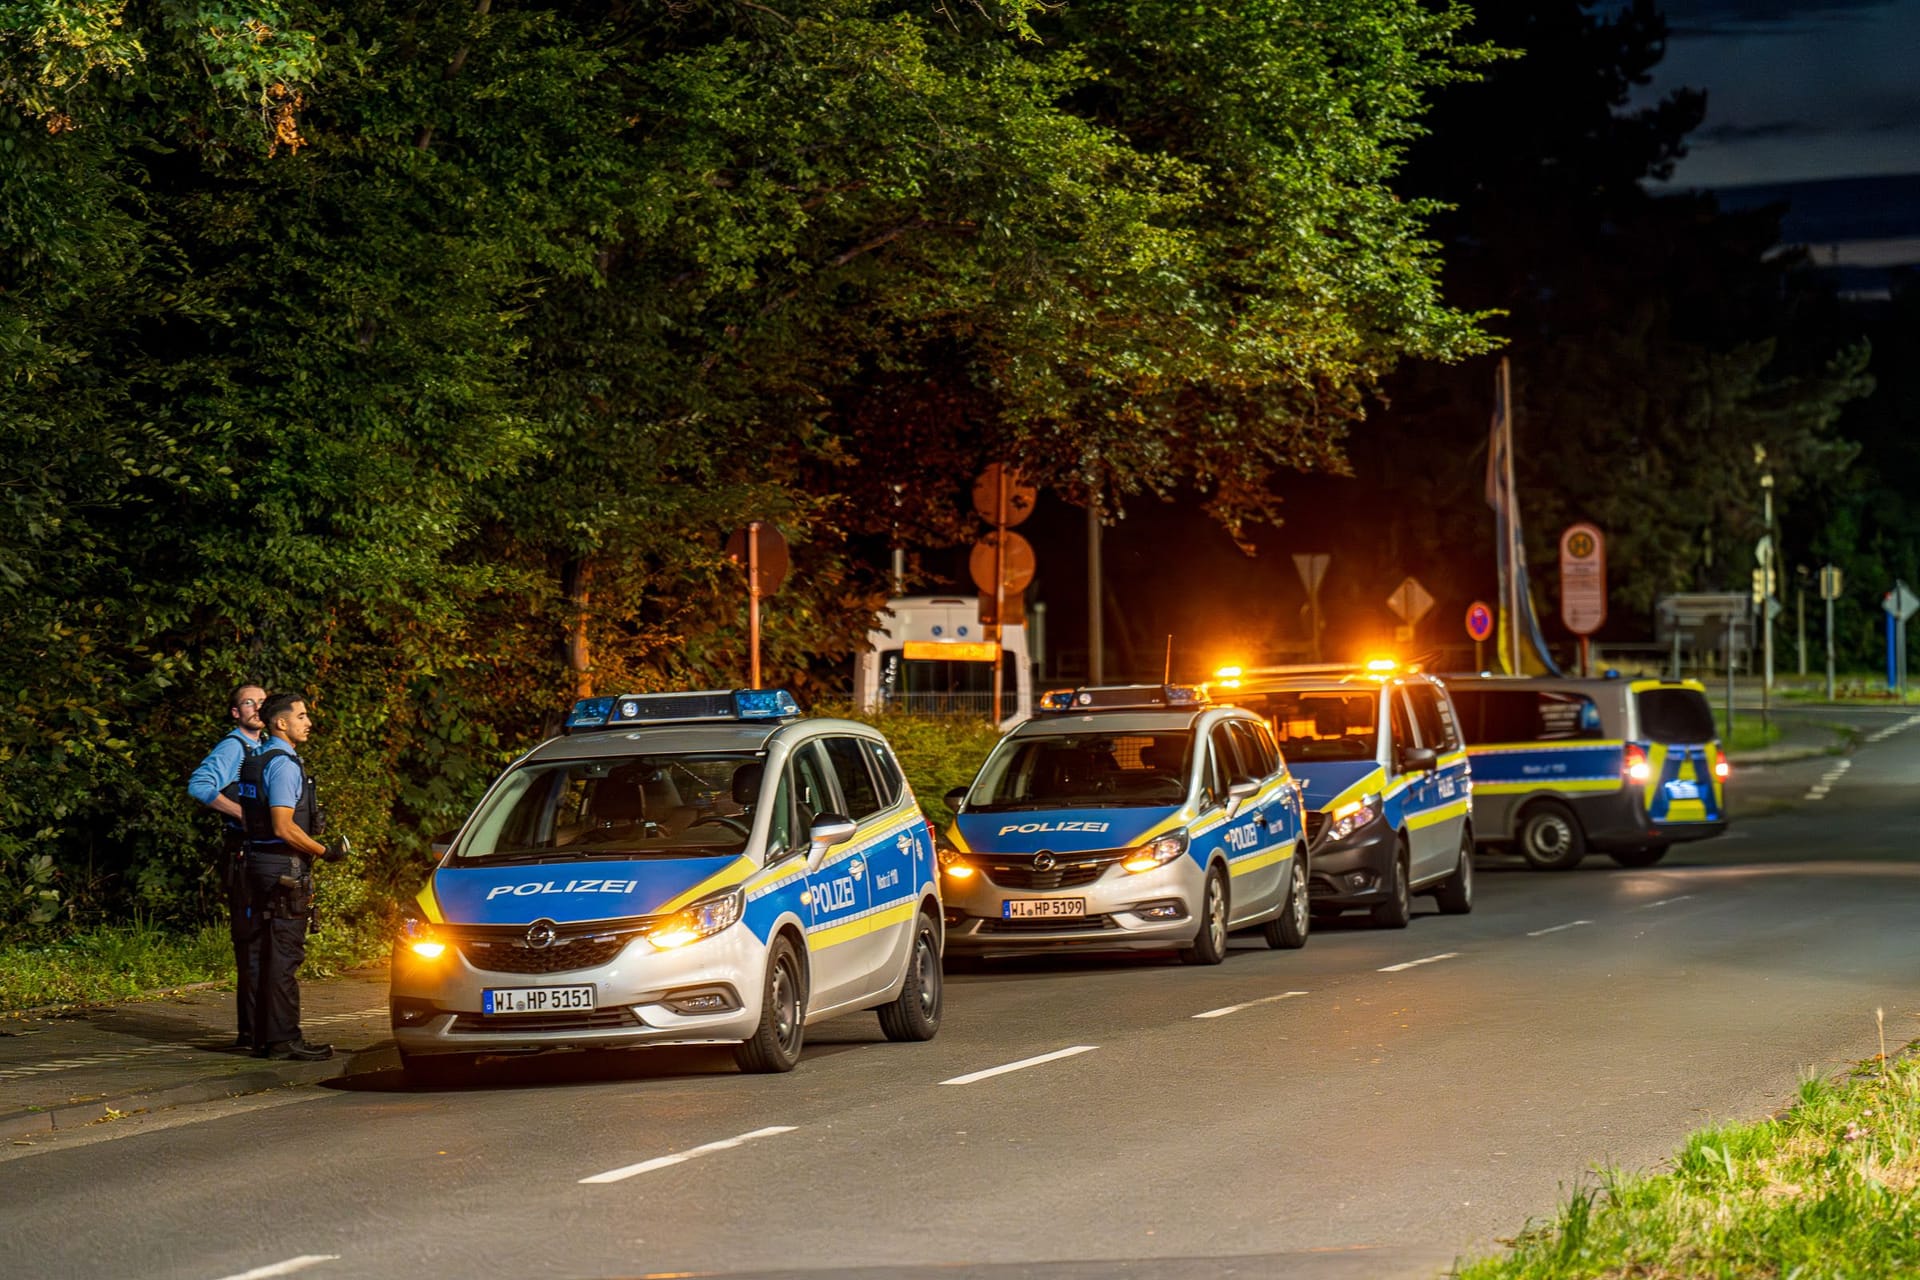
214	784
281	813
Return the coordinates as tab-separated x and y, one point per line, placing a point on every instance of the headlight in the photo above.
701	920
1352	816
955	866
1157	852
418	937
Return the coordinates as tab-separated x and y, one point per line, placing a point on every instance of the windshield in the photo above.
1322	724
665	806
1085	771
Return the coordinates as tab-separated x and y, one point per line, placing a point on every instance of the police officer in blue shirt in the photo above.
281	812
214	784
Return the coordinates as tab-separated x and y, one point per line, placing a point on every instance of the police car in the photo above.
686	868
1388	787
1138	816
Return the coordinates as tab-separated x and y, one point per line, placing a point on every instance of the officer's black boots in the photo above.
296	1051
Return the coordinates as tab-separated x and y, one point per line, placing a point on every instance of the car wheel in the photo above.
1550	837
1640	856
775	1045
915	1013
1210	942
1455	894
1288	930
437	1070
1397	909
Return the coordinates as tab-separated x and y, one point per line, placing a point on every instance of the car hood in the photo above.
1325	781
1061	830
570	892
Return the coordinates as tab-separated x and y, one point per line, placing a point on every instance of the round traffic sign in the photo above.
1016	568
1479	620
771	553
1020	496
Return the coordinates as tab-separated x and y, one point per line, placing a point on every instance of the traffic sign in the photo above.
1900	602
771	555
1016	568
1830	582
986	497
1313	568
1410	601
1479	621
1763	551
1583	578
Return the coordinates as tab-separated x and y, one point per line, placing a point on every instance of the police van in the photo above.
1564	765
1387	782
1129	817
682	868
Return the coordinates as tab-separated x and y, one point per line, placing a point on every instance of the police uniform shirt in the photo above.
284	778
221	767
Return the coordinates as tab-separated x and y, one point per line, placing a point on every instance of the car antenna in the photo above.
1167	676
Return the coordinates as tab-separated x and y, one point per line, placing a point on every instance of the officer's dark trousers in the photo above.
279	945
242	924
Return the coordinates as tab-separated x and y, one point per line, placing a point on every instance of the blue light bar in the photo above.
1126	697
589	713
764	704
679	708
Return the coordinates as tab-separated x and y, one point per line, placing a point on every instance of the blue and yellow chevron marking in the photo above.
1689	765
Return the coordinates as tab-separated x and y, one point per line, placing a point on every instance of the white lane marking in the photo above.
286	1268
1664	901
92	1060
331	1018
1396	968
1571	924
1022	1065
1235	1008
681	1157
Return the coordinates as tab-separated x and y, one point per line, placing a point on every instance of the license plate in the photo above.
536	999
1042	908
1680	790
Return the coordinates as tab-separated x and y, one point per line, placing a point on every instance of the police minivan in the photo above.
1563	765
685	868
1388	787
1127	817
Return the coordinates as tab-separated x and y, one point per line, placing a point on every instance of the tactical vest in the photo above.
232	790
252	799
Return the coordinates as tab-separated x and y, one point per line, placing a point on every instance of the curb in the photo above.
78	1115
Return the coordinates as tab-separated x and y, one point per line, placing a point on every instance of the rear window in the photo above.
1525	715
1675	715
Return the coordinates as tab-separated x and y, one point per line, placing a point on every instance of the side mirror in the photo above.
955	798
1418	759
442	844
1238	794
828	830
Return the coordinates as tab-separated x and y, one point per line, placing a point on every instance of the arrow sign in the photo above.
1410	601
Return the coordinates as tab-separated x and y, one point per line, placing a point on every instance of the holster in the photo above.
293	900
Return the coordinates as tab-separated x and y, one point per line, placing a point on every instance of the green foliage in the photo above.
937	753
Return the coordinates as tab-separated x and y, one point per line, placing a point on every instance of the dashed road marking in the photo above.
681	1157
1571	924
1410	964
332	1018
1235	1008
1665	902
1818	791
93	1060
286	1268
1021	1065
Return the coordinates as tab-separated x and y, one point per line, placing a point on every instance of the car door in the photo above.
837	893
1257	855
881	860
1410	788
1443	812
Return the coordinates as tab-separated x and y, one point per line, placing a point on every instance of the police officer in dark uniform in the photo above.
214	783
281	812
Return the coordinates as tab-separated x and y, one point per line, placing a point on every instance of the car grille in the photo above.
597	1020
504	949
1316	823
1085	924
1068	873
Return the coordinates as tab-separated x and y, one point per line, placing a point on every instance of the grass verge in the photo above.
1829	1188
122	962
1749	733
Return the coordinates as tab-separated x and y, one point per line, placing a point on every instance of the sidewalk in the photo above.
1807	731
64	1069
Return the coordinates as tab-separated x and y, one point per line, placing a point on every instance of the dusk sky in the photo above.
1797	89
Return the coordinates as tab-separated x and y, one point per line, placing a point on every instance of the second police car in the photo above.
1379	753
1127	817
693	868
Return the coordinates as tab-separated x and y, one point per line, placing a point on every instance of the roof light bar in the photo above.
679	708
1124	697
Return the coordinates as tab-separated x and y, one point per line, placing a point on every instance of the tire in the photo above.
1642	856
437	1070
1397	910
1455	894
1209	944
1288	930
915	1013
775	1044
1550	838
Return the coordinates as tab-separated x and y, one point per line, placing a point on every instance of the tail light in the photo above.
1635	766
1722	770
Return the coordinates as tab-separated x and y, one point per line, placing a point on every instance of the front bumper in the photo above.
435	1005
1354	872
1147	910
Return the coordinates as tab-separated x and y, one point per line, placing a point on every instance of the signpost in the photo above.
1313	571
1410	603
1830	585
1706	614
1479	627
1583	585
763	550
1001	562
1899	604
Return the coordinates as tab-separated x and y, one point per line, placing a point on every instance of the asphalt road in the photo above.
1380	1103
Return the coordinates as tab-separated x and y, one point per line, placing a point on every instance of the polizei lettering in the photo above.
1037	828
534	887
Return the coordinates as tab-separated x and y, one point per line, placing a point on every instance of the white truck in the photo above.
930	656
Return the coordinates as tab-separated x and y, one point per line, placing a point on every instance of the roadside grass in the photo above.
1749	732
113	962
1828	1188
